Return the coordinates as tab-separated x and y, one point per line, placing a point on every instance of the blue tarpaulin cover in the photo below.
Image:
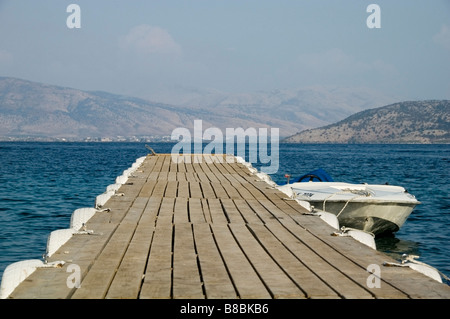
318	175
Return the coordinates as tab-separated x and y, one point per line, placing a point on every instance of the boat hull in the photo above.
377	218
373	208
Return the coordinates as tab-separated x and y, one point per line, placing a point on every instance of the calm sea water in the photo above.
41	184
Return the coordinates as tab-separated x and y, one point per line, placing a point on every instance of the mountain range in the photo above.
403	122
32	110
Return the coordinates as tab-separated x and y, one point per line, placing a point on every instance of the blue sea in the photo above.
41	184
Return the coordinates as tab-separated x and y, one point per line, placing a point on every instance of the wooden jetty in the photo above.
206	227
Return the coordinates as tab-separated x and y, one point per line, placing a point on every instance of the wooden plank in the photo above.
196	159
166	211
163	176
231	211
243	192
51	283
134	213
153	176
218	171
149	164
231	178
202	177
172	176
196	214
159	163
180	159
206	211
254	184
276	280
260	210
181	214
216	279
207	190
128	192
166	165
395	282
186	276
147	189
173	169
183	189
212	177
276	212
216	211
206	158
174	165
247	282
205	168
296	212
170	190
247	213
159	188
80	250
97	281
192	176
128	279
197	169
151	211
158	275
195	190
189	168
219	190
256	192
284	254
326	263
231	191
332	256
231	168
182	165
181	176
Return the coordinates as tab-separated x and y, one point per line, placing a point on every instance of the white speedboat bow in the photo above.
373	208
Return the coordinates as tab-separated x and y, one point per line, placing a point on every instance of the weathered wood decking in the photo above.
214	230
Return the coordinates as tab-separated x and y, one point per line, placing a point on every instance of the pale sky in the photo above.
142	47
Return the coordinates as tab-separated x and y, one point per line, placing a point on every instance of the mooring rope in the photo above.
360	193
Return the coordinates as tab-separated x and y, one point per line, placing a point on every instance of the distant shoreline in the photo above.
165	141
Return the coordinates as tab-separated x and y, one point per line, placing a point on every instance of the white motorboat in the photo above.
373	208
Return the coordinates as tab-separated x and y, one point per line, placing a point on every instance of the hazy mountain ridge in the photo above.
40	110
28	108
291	109
404	122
